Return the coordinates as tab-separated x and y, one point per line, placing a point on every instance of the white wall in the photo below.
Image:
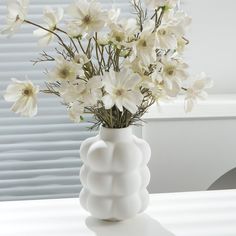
190	152
187	158
213	41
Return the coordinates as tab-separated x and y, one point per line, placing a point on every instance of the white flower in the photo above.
65	71
123	31
158	92
73	30
181	44
145	47
178	21
138	67
88	15
173	74
173	27
87	93
196	91
122	91
161	3
174	68
51	18
113	15
102	39
71	92
166	37
76	110
92	92
17	11
23	94
170	74
81	59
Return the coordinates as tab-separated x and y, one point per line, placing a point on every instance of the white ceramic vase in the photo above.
114	174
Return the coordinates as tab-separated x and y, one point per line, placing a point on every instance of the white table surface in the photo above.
210	213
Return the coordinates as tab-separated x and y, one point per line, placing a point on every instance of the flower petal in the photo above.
108	101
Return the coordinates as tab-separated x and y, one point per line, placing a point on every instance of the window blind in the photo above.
39	157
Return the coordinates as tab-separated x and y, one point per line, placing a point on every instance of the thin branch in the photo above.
52	32
43	58
140	13
158	20
71	39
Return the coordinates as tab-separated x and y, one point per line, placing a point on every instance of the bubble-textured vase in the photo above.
114	174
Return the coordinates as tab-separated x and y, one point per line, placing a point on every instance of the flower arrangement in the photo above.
111	67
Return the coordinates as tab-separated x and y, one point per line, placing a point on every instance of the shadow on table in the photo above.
142	225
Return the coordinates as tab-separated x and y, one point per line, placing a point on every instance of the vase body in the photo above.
114	174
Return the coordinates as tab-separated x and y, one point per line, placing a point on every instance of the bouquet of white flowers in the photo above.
110	67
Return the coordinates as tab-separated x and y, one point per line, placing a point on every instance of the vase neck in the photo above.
115	134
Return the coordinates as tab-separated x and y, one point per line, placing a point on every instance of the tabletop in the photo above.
210	213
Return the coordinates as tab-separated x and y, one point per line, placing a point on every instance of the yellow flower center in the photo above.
27	92
119	92
143	43
118	38
87	19
64	73
162	32
170	71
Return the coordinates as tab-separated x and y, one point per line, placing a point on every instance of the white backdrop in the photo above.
213	41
